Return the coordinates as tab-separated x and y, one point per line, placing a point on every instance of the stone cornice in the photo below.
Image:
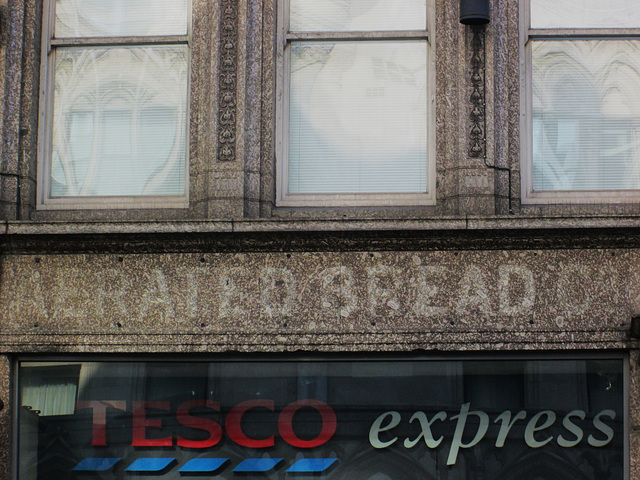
512	233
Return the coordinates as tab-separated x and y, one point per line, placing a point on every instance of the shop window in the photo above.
580	104
355	112
389	417
114	104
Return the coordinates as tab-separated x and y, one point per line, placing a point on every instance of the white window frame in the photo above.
285	38
528	36
45	118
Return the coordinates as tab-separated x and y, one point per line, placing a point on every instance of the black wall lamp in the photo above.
474	12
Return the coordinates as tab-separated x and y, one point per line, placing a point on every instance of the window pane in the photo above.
119	121
586	115
585	14
358	117
101	18
358	15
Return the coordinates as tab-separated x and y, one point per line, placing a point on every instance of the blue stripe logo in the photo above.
257	465
153	465
203	465
96	464
149	465
311	465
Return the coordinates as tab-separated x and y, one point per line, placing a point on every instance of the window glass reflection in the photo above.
585	14
119	121
586	121
114	18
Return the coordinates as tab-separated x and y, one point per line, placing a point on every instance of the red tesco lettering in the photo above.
141	424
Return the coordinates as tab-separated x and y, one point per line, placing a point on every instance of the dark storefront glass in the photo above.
561	419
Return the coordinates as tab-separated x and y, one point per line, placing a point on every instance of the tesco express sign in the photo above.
381	432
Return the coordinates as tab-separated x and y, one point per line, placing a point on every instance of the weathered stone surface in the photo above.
635	453
634	389
531	294
5	418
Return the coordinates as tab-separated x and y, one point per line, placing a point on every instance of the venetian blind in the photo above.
358	109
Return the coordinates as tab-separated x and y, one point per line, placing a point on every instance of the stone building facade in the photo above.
480	271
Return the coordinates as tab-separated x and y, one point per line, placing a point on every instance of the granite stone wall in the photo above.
235	273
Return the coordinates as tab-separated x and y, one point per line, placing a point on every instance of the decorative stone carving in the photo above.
477	140
228	81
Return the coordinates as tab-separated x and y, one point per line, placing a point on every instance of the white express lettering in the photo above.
377	427
533	427
425	426
537	423
603	427
573	428
457	443
507	423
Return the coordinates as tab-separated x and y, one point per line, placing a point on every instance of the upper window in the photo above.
581	106
114	102
355	110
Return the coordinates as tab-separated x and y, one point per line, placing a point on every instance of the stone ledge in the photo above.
120	241
281	342
19	228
